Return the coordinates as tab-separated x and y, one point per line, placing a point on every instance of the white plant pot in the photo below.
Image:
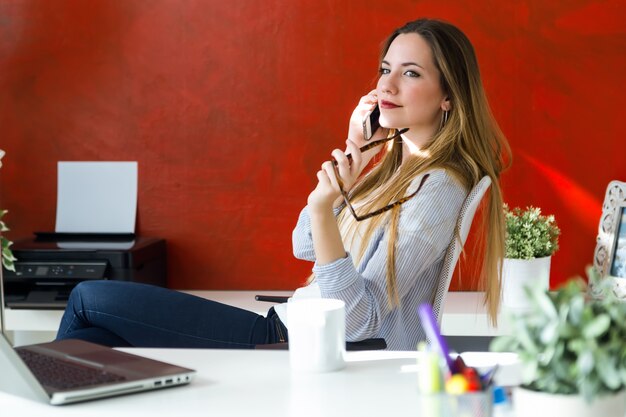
527	403
519	273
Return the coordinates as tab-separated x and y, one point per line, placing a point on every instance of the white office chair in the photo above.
468	209
464	222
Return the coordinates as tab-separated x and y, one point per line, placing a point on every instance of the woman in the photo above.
378	240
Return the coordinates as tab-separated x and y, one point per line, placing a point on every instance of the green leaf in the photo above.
550	333
503	344
8	255
8	264
525	339
530	370
607	370
589	389
585	362
545	304
577	305
597	327
547	356
576	345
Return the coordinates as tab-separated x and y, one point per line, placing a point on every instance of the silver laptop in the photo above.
68	371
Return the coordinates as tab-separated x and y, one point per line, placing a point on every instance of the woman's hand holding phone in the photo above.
327	193
360	114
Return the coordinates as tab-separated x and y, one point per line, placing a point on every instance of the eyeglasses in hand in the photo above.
374	213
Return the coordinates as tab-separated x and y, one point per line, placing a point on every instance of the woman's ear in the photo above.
445	104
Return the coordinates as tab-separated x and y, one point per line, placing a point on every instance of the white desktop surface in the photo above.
260	383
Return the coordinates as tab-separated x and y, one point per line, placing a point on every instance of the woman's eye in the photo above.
411	74
382	71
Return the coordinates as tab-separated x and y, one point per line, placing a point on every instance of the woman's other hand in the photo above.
327	193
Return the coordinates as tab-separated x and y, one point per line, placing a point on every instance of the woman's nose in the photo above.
386	85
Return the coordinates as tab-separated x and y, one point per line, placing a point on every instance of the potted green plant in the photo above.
7	256
5	245
571	345
531	240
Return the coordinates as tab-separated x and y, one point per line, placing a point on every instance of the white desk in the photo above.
463	315
260	383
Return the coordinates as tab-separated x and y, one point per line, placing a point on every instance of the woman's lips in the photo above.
388	105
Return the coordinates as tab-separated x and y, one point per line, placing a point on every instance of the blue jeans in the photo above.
115	313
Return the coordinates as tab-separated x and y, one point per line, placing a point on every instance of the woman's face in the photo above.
409	90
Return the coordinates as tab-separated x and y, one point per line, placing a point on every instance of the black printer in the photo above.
50	265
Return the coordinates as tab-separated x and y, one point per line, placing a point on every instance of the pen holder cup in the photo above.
475	404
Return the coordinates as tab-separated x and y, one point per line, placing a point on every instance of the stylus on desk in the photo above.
272	298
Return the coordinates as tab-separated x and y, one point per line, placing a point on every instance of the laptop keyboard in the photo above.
63	375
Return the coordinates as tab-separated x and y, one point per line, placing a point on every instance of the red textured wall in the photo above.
230	106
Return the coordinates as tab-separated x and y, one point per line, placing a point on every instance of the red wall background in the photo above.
231	106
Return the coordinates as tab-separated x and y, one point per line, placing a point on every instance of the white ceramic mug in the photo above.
317	334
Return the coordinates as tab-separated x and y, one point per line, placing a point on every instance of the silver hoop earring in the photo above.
444	118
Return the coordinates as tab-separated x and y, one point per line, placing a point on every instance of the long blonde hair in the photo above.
469	145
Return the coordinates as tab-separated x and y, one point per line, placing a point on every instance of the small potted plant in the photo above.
7	256
531	240
572	351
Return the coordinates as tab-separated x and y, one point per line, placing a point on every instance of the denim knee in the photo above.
86	289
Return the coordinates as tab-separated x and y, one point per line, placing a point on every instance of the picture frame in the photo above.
609	258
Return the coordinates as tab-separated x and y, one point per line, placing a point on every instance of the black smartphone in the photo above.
371	123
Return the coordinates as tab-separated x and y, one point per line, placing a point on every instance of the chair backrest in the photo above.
464	222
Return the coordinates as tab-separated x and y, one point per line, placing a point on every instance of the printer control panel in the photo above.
58	270
47	284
